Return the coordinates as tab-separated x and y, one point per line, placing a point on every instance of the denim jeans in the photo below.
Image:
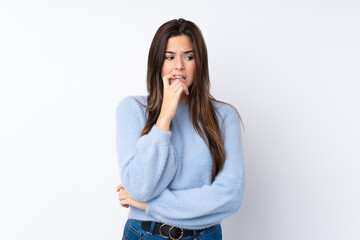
133	231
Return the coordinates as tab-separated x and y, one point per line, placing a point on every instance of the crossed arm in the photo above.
153	156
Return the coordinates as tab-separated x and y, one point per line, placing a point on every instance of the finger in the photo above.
124	203
186	89
123	194
183	87
121	198
179	83
119	187
166	79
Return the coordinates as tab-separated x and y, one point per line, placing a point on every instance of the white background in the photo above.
290	67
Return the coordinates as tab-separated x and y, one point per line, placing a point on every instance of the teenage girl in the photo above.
179	149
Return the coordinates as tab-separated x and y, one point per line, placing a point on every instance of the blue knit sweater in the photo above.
171	171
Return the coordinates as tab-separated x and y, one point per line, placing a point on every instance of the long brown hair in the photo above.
201	108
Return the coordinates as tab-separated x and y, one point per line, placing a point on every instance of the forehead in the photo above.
181	43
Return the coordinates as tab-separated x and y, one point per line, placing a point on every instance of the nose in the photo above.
179	65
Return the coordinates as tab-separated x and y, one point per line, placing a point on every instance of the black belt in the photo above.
168	231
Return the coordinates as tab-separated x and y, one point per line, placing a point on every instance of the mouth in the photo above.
180	77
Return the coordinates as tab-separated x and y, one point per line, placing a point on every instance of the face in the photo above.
179	59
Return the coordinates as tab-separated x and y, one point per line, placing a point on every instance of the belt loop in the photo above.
152	227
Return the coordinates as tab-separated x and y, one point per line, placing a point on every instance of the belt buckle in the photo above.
171	237
160	231
182	233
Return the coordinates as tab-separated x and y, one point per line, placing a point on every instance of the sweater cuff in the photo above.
148	209
157	132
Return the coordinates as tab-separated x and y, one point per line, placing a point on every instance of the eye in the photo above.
190	57
169	57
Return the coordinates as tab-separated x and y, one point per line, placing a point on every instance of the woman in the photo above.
179	149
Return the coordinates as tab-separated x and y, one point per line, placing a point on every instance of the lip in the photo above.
180	75
181	80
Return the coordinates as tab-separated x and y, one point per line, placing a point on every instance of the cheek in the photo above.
166	69
192	70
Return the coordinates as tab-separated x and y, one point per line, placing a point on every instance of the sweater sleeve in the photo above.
208	203
147	163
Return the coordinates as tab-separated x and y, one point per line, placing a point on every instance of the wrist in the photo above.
163	123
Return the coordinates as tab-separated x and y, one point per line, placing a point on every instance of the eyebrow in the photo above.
189	51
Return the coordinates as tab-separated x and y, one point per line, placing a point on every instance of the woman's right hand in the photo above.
171	98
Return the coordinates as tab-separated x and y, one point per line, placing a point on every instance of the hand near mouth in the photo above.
171	98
